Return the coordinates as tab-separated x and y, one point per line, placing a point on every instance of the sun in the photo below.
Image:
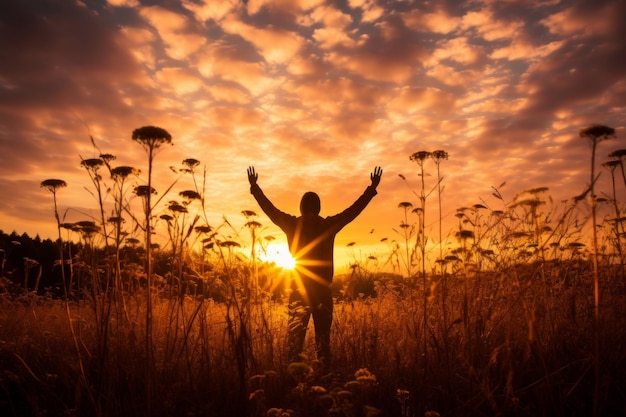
281	257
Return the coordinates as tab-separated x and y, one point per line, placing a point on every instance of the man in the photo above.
311	239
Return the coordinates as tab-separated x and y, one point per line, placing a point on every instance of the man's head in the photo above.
310	204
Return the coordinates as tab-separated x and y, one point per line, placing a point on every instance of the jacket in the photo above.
311	237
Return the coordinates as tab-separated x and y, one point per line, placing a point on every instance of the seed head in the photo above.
53	184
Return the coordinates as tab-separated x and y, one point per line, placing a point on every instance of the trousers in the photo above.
317	302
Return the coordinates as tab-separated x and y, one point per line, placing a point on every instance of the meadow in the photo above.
524	316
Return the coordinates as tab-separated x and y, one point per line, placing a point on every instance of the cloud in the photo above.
275	45
601	19
457	50
181	81
485	24
179	41
210	10
438	21
369	9
59	68
333	27
222	61
408	101
123	3
389	52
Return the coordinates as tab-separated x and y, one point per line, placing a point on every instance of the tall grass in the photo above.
528	351
506	325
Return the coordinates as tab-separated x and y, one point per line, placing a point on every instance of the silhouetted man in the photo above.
311	239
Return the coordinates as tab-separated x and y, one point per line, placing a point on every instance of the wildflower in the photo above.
465	234
190	163
115	220
274	412
166	217
365	377
203	229
248	213
439	155
151	137
190	195
176	207
229	244
107	157
123	172
420	156
317	389
253	224
612	164
53	184
92	163
344	395
597	133
352	386
142	190
619	153
299	370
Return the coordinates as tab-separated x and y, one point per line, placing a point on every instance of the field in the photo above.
517	342
519	313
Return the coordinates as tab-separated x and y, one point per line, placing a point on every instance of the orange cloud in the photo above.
490	28
210	10
408	101
179	80
434	22
334	23
599	20
383	55
370	10
457	50
173	29
223	62
276	46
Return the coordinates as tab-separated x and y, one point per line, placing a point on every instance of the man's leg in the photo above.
323	320
298	320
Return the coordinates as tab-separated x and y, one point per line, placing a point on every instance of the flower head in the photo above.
203	229
143	190
53	184
248	213
618	154
439	155
597	133
190	164
151	137
122	172
92	163
190	195
420	156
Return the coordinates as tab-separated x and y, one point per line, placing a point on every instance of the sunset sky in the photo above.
314	94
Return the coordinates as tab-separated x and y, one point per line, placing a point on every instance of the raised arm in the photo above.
279	218
252	176
349	214
375	176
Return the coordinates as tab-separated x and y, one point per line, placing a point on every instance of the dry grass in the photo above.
519	318
521	345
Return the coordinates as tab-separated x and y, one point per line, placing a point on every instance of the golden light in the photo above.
280	256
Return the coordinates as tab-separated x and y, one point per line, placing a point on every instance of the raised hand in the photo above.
252	176
375	176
